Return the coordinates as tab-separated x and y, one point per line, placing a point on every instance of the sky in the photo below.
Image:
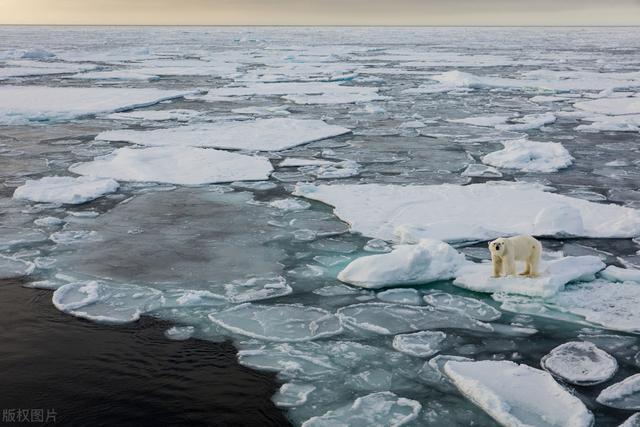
321	12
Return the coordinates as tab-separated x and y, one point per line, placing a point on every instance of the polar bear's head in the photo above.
498	246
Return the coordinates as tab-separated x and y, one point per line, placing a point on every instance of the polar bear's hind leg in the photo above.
534	260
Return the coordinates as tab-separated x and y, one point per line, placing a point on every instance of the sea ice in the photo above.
468	306
382	408
290	204
292	394
420	344
528	122
485	121
580	363
392	319
400	296
176	165
11	268
610	305
105	303
24	104
281	323
179	115
261	134
553	275
114	75
473	212
617	274
623	395
611	106
65	189
530	156
428	261
179	333
296	162
632	421
481	171
518	395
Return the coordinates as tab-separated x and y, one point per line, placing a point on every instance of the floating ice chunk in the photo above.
632	421
176	165
392	319
293	394
180	115
611	106
48	221
602	123
602	303
530	156
428	261
553	275
335	290
262	134
289	361
11	268
294	162
529	122
105	303
179	333
290	204
481	171
27	68
23	104
255	186
283	323
357	95
335	170
485	121
420	344
36	53
376	409
400	296
65	189
468	306
617	274
472	212
370	380
623	395
518	395
252	289
413	124
580	363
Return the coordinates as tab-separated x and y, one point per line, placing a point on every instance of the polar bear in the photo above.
505	251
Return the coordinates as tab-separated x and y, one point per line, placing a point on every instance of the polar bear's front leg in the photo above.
497	265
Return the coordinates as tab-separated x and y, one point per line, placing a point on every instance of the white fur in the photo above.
505	251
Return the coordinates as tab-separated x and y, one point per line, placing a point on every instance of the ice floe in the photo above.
474	212
611	106
468	306
179	115
580	363
296	162
105	303
400	296
262	134
602	303
552	277
623	395
420	344
392	319
428	261
530	156
382	408
65	189
617	274
485	121
11	268
632	421
179	333
481	171
24	104
602	123
518	395
176	165
281	323
292	394
528	122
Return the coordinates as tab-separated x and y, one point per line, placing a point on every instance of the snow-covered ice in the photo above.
552	277
481	171
65	189
474	212
623	395
580	363
292	394
465	305
530	156
11	268
518	395
382	408
23	104
611	106
262	134
281	323
176	165
617	274
427	261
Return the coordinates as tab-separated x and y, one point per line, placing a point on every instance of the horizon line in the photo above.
334	25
